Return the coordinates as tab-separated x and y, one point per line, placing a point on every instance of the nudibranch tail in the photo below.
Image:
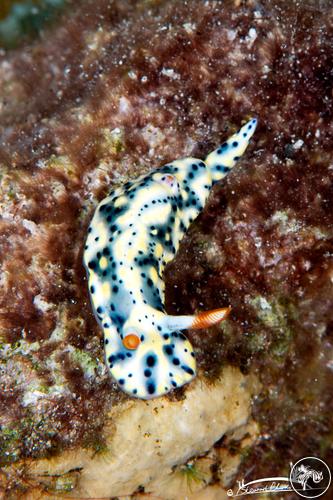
222	160
134	233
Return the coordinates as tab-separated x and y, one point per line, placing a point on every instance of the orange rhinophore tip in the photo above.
131	341
209	318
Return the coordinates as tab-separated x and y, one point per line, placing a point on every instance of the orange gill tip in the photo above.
209	318
131	341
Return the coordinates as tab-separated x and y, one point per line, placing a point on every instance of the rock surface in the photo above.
147	439
113	90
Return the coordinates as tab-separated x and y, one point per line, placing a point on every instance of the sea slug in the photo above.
134	233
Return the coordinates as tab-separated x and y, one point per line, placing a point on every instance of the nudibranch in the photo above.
134	233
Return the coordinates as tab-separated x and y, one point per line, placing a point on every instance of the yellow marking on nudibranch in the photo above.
106	290
120	201
135	232
154	275
159	250
103	263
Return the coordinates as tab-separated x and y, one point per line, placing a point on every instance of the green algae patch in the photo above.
10	445
89	365
276	315
191	473
24	19
64	483
15	438
63	164
112	142
269	313
97	444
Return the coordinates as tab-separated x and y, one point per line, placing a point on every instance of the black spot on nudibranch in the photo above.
222	168
176	361
235	144
188	370
222	148
151	388
151	360
147	373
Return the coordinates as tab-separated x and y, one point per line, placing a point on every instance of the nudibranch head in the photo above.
160	361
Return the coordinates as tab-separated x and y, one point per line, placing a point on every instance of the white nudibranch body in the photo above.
134	233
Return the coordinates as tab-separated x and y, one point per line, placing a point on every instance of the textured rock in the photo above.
147	439
115	89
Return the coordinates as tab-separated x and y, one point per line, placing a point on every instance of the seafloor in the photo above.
110	90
